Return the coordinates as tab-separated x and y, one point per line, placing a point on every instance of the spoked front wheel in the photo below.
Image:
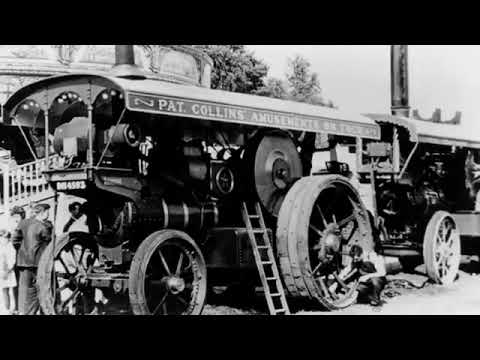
441	248
168	276
63	283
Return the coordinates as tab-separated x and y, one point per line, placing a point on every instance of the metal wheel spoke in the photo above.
187	268
354	229
64	266
448	236
324	287
160	304
444	232
75	259
440	270
316	268
346	220
340	281
63	287
70	298
353	203
316	230
81	256
165	265
181	300
450	239
179	264
321	215
64	276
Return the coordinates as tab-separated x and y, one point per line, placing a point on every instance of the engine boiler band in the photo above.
182	216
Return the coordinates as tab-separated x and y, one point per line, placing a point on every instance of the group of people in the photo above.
20	252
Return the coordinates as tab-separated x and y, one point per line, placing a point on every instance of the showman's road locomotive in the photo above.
182	182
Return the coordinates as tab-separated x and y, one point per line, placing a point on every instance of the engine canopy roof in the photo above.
432	132
160	97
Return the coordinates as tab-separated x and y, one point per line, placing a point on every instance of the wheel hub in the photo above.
174	284
280	173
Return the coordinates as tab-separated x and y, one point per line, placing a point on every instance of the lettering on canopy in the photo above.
248	116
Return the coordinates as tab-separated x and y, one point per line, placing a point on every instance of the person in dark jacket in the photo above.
17	214
33	236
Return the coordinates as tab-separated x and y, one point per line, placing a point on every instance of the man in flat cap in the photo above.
33	234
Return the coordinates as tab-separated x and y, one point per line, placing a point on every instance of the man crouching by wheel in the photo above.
369	267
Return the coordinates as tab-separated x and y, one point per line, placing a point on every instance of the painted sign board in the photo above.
159	104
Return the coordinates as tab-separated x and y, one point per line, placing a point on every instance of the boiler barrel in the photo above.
180	216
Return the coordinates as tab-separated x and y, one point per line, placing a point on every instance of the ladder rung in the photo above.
254	216
267	262
271	278
259	231
263	247
280	310
276	294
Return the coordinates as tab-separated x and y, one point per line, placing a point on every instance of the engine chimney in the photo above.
125	63
399	80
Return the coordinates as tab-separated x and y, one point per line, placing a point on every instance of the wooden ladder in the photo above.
265	260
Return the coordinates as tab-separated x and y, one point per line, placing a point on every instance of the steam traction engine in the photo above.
182	182
423	199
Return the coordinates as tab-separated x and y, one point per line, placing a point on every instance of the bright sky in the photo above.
357	77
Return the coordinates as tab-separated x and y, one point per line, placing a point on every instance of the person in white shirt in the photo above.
8	281
75	214
371	272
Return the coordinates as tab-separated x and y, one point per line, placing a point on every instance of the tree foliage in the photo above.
274	88
301	84
235	69
304	85
238	70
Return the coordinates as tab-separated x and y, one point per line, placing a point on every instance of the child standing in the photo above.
8	281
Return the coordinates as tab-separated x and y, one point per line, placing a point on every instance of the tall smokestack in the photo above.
399	80
125	63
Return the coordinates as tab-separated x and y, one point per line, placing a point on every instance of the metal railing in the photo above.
25	184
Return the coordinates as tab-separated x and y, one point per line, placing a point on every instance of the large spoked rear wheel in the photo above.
64	288
319	210
168	276
441	248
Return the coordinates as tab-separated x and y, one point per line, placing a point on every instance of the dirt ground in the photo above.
403	296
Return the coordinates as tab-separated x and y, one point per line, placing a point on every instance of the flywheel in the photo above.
272	163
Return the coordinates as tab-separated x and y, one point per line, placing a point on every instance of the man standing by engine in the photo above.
33	234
